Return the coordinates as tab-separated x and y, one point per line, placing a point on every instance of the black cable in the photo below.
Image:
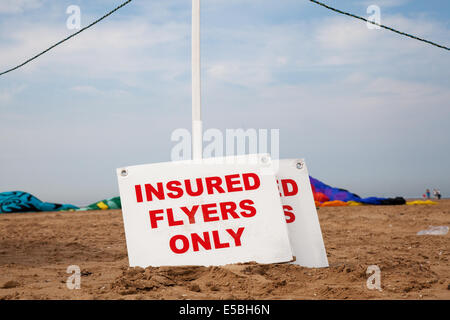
380	25
314	1
71	36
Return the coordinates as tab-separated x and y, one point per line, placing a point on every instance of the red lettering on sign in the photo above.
236	235
210	213
189	187
150	190
154	218
207	210
256	182
289	214
173	246
289	191
172	222
247	205
174	186
205	242
228	208
214	183
177	189
138	191
190	213
217	243
230	183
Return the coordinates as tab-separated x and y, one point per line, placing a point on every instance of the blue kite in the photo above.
18	201
331	194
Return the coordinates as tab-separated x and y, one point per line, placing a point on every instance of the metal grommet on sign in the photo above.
124	172
299	165
264	160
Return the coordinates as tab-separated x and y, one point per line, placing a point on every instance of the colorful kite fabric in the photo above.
18	201
112	203
326	195
420	202
334	203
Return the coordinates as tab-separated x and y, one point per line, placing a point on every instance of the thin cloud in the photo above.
18	6
335	89
7	95
384	3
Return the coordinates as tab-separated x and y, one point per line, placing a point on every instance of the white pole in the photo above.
196	89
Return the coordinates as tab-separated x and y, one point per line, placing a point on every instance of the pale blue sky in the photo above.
368	109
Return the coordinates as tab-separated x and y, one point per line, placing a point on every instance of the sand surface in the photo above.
37	248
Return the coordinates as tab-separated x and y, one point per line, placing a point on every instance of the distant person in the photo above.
435	193
438	193
428	193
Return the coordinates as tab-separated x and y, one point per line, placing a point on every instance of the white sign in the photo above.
301	214
203	212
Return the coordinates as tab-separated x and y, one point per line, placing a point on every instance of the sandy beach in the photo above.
37	248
